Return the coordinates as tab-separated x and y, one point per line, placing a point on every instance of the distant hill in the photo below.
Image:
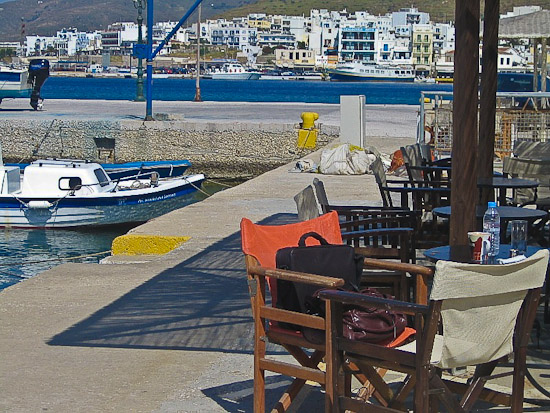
440	10
45	17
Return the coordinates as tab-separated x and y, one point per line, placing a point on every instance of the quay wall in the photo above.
218	149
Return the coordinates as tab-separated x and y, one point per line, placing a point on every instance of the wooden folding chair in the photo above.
375	231
486	311
260	244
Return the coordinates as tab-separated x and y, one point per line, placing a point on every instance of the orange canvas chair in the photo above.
260	244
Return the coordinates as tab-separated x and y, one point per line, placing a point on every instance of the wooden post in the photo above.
464	192
535	65
488	100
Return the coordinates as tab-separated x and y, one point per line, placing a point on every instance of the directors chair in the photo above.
486	313
260	244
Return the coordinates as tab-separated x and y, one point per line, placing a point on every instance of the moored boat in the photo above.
24	83
141	169
365	72
65	194
232	71
164	169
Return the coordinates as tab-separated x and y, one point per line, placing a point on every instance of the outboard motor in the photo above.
39	71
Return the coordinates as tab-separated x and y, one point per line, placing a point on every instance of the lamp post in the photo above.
139	5
197	80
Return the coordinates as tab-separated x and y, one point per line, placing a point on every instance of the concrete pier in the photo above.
223	139
170	333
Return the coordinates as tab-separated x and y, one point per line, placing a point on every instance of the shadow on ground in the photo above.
201	304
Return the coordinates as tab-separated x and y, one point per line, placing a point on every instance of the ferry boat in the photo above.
232	71
365	72
69	194
24	83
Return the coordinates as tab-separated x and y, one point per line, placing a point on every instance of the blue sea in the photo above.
26	253
240	90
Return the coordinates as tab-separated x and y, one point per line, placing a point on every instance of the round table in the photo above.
502	184
507	213
463	253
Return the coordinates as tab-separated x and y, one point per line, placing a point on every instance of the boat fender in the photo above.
39	205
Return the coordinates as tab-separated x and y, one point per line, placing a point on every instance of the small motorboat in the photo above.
165	169
68	193
232	71
17	83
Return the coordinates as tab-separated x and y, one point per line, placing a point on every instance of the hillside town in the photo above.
406	38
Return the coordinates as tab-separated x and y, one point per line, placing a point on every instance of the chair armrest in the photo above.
367	301
300	277
396	266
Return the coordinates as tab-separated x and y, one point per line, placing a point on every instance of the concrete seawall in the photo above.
234	140
236	150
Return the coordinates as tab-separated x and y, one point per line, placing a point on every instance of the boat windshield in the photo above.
101	176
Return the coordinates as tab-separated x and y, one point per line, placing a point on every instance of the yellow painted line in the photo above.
133	244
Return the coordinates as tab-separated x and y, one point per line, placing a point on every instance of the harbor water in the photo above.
309	91
25	253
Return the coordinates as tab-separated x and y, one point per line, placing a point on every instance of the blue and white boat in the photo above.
232	71
68	194
370	72
24	83
164	169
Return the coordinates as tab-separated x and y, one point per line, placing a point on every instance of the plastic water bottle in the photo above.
491	224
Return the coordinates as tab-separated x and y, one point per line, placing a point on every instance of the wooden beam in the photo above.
464	193
488	100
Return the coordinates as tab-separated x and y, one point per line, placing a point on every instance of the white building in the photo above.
39	45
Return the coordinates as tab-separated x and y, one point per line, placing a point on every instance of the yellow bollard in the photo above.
307	134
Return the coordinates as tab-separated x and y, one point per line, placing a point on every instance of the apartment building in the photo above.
295	59
422	46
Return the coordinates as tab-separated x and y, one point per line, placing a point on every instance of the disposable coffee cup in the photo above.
479	244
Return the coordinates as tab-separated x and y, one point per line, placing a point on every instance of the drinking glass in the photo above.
518	232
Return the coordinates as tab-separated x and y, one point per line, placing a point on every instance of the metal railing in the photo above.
520	116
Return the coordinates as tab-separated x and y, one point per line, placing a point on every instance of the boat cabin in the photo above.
54	178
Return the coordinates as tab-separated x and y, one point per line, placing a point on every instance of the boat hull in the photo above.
165	169
235	76
351	77
13	84
105	209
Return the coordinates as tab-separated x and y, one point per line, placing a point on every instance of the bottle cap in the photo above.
492	204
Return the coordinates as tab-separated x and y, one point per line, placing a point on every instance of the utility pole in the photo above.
197	80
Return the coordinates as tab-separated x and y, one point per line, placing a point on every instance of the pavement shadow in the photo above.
238	397
200	304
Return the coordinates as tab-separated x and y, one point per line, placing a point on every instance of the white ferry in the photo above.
365	72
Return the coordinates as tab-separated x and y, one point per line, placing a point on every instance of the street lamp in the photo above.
139	5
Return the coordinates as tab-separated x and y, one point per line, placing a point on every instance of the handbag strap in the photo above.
302	241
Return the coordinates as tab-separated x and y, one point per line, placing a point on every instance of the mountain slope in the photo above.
45	17
440	11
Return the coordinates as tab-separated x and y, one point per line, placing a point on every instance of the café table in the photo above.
507	214
502	184
463	253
